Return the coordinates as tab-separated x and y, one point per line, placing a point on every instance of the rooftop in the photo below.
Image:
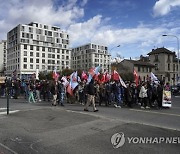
160	50
139	62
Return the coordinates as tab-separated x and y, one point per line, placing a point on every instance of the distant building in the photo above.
91	55
3	56
166	64
37	46
143	68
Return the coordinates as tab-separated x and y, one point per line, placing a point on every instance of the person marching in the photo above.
91	96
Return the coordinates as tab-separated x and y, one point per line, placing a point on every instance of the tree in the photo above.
66	72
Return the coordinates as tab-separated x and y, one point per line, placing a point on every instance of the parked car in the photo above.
175	89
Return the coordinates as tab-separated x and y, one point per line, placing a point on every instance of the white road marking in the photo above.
7	148
3	108
171	114
3	113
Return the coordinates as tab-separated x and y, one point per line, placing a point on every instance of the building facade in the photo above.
3	56
37	46
143	68
91	55
166	64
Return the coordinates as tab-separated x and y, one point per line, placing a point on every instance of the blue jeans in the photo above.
118	99
61	98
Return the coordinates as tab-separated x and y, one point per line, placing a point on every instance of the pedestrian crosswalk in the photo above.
3	111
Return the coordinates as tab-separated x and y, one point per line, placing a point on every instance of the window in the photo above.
49	55
31	47
43	48
25	46
22	28
30	29
37	48
168	67
31	54
49	49
37	60
25	59
43	55
49	33
169	59
139	68
45	27
156	66
62	56
67	57
174	67
37	66
53	56
22	34
49	67
43	61
25	66
31	66
156	58
31	60
49	61
25	53
58	56
43	67
37	54
142	69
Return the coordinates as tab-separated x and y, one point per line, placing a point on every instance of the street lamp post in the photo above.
178	71
115	47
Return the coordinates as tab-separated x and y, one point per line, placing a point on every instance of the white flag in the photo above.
154	78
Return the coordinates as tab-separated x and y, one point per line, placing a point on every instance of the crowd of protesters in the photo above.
112	93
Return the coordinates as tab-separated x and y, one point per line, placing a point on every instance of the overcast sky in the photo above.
136	25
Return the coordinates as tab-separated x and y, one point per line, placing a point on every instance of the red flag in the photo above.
70	90
96	77
115	76
92	71
84	76
107	77
55	75
136	78
103	78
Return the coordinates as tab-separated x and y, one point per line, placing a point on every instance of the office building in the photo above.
37	46
91	55
3	56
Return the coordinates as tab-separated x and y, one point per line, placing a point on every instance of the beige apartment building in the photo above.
166	64
35	47
91	55
143	68
3	56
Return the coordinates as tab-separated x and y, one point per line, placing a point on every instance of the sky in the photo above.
136	25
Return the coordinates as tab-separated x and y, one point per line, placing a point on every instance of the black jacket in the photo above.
91	90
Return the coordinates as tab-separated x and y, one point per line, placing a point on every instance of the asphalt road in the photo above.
41	128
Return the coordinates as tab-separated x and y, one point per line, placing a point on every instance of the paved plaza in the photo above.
41	128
